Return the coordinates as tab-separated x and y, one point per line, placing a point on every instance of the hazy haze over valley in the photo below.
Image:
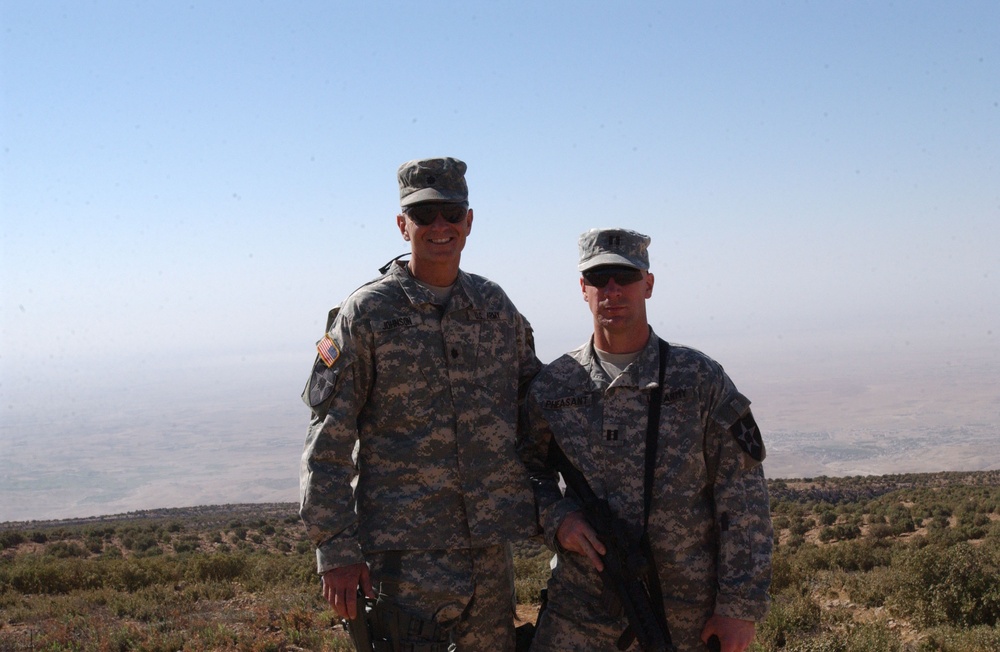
230	430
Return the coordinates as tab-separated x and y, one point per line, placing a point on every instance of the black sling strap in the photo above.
652	440
653	433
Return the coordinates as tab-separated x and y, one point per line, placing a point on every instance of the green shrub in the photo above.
66	550
880	531
871	588
961	639
216	568
140	541
870	637
11	539
131	575
956	585
34	574
185	546
789	618
531	574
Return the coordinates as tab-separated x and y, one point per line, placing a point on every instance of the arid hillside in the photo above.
893	563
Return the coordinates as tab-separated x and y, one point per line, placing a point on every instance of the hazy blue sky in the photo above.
186	188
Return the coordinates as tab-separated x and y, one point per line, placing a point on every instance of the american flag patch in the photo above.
328	350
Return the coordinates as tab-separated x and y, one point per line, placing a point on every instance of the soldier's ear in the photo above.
401	223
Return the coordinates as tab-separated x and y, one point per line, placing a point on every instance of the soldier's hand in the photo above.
576	535
340	588
734	635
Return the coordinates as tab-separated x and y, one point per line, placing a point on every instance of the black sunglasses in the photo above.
601	276
426	214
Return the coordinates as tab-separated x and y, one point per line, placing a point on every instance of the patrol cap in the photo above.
432	180
613	247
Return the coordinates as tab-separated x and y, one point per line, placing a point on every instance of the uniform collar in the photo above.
463	295
641	374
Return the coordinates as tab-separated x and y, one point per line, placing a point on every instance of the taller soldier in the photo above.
410	484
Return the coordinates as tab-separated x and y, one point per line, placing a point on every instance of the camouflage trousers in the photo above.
575	620
468	591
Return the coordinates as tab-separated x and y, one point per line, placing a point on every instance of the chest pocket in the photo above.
404	361
494	340
575	420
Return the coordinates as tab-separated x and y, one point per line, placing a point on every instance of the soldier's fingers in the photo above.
594	558
366	583
594	541
584	545
328	593
351	603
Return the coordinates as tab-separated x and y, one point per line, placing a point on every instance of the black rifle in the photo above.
628	570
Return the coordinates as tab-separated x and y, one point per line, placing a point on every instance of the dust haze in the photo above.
91	441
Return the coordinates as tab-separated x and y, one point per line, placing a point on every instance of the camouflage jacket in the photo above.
709	522
411	445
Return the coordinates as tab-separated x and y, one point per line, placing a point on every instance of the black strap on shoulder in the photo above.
652	439
385	268
653	433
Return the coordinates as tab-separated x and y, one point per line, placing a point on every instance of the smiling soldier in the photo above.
411	487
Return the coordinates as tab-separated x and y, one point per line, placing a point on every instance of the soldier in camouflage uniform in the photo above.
410	481
709	524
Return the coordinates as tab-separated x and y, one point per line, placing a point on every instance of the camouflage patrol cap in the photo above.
432	180
613	247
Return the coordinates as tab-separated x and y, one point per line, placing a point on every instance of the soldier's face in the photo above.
439	241
619	308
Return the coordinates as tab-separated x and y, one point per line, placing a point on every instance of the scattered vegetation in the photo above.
891	563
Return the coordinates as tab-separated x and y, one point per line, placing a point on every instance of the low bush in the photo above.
956	585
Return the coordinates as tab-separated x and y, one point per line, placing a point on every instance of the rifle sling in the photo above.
652	439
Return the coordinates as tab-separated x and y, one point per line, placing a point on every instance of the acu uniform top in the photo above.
709	522
411	445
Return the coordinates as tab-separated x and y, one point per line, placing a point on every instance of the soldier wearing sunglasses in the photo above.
411	487
661	433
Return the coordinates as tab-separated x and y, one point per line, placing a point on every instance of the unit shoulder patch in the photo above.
321	384
747	435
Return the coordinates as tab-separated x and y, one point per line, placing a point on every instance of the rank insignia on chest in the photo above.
613	434
328	351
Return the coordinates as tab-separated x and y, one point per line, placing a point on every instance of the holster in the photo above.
384	627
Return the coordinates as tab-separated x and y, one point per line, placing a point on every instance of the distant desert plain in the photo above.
226	434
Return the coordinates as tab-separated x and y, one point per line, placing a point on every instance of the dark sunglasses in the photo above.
426	214
601	276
